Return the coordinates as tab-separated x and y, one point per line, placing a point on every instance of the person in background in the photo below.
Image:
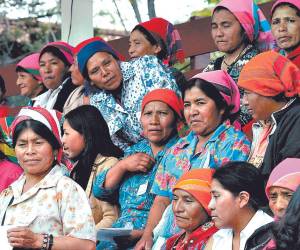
237	193
282	183
132	178
211	103
160	38
48	209
29	80
86	142
9	171
286	231
239	30
79	95
271	86
55	60
285	23
118	87
191	196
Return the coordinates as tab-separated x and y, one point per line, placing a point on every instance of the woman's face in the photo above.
34	153
158	122
73	141
286	27
140	46
223	205
28	85
260	107
52	70
76	76
226	31
279	199
188	212
104	71
201	112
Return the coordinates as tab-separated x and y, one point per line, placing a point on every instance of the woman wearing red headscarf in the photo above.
132	178
272	86
286	28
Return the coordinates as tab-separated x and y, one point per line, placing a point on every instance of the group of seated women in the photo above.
205	163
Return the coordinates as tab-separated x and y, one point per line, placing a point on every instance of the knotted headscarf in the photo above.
86	49
253	21
286	175
197	182
31	65
269	74
296	3
49	117
65	48
171	37
167	96
225	85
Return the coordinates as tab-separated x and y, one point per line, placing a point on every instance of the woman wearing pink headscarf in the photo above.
286	28
240	30
29	79
283	182
211	103
55	60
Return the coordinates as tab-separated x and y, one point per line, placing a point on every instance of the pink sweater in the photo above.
9	172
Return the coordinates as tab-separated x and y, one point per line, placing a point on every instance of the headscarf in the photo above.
225	85
269	74
253	21
49	117
197	182
296	3
171	37
286	175
86	49
167	96
65	48
31	65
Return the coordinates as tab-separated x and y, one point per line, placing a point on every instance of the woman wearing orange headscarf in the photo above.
272	87
190	207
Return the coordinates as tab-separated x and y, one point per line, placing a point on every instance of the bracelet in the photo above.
50	242
45	244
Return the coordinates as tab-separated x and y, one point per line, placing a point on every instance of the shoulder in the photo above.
103	162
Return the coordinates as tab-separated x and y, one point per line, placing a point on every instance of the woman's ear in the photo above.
244	198
157	48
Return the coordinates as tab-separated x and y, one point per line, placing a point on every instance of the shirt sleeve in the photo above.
102	193
236	148
75	211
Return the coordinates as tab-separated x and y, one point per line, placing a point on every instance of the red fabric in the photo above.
197	239
167	32
294	56
9	172
167	96
92	39
4	110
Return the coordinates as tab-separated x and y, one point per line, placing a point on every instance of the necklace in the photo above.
236	58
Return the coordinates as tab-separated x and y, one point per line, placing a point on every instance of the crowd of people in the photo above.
209	162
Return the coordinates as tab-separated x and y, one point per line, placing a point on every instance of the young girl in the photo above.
92	152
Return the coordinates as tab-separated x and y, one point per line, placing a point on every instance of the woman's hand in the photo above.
24	237
139	162
145	243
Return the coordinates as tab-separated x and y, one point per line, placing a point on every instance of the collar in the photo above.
192	138
50	180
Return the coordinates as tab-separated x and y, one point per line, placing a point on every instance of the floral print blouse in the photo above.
140	76
135	198
56	205
225	144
